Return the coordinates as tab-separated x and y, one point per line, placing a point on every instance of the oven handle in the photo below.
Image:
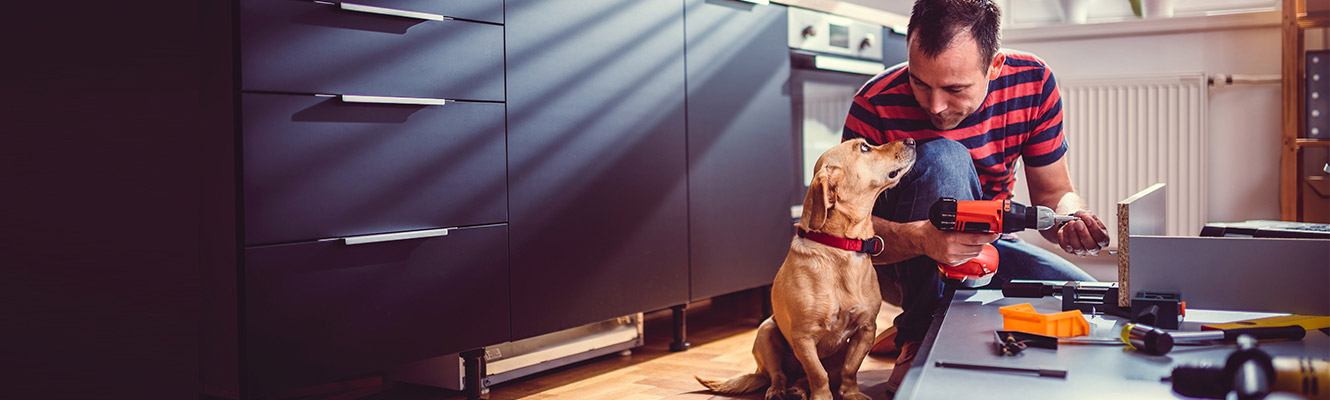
847	65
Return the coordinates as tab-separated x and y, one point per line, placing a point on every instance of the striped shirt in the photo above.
1021	116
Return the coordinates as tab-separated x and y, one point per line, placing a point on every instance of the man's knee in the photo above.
944	158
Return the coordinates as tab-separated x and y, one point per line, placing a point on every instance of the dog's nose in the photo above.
909	142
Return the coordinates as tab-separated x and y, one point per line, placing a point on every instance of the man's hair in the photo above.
934	24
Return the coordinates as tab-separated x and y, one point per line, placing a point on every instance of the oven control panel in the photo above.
833	34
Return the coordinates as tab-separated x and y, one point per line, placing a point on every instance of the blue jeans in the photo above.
945	169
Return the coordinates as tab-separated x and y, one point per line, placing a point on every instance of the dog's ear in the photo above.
821	197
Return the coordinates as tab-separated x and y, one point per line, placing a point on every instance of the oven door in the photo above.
821	99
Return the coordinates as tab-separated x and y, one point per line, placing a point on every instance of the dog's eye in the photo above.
893	174
864	147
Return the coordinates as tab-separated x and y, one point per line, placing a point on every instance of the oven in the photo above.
831	57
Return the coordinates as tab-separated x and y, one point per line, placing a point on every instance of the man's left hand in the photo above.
1083	237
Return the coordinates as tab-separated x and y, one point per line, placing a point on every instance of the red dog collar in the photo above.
872	246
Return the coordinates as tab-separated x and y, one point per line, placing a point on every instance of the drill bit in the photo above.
1051	373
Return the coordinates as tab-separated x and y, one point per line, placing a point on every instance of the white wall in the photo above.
1244	124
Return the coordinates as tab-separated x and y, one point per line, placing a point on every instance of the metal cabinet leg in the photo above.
680	329
475	384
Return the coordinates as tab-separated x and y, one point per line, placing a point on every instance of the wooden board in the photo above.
1148	206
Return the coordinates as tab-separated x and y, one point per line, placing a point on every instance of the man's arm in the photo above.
1050	186
904	241
912	239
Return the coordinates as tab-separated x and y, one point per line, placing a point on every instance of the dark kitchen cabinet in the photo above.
740	155
596	160
327	310
894	49
312	281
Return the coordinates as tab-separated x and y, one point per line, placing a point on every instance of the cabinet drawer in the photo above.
323	311
318	167
308	47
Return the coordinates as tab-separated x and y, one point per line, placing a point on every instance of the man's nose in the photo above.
936	104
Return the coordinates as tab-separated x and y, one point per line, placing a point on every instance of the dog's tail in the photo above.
746	383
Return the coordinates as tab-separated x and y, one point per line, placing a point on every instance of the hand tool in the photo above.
1147	339
992	216
1157	341
1155	308
1306	321
986	216
1252	374
1051	373
1010	343
1163	309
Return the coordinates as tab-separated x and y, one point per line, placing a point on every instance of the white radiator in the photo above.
1127	133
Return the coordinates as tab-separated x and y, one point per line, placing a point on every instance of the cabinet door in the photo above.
323	311
597	181
894	49
740	152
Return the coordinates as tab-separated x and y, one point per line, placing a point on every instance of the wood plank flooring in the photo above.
721	332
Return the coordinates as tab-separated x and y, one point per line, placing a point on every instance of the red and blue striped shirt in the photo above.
1021	116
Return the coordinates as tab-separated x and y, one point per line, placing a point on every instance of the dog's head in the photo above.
849	177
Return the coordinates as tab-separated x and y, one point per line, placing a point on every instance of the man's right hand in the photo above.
912	239
951	248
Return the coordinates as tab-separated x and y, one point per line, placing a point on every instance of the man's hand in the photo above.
1083	237
911	239
954	248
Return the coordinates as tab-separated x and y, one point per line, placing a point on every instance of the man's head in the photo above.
953	53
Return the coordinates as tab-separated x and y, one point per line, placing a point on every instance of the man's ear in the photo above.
995	69
821	198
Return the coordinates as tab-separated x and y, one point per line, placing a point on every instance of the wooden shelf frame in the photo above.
1293	104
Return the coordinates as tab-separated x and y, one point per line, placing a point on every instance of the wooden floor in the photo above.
721	332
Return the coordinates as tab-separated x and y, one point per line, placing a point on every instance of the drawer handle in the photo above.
354	98
758	2
390	11
388	237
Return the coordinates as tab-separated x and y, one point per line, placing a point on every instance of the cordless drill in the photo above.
986	216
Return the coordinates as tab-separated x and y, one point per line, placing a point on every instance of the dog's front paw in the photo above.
790	393
856	395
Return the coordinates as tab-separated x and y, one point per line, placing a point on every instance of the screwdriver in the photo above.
1159	342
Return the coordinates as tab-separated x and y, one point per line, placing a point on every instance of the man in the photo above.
975	110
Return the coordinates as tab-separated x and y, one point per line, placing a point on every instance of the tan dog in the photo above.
825	299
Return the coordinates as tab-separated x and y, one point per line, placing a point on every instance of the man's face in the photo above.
952	85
